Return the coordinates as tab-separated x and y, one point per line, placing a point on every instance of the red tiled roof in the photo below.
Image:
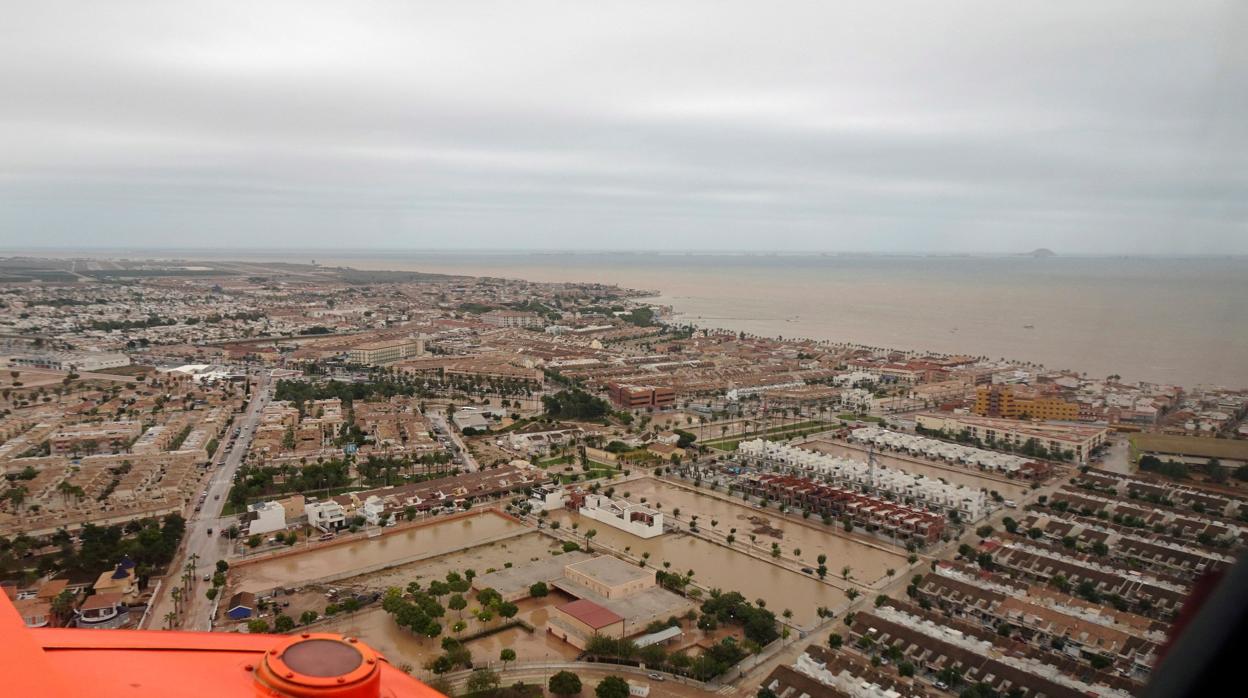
590	613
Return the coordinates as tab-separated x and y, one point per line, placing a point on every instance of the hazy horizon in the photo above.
1118	127
367	252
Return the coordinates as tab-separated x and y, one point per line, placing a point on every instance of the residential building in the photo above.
102	611
326	515
241	606
511	318
89	438
634	397
1058	440
386	351
266	517
637	519
1004	401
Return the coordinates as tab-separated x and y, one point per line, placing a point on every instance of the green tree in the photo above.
506	656
284	623
564	683
612	687
457	603
257	625
482	681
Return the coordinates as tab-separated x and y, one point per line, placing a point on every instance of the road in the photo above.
444	429
1118	456
540	672
210	547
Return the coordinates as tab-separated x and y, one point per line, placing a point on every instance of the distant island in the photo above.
1040	252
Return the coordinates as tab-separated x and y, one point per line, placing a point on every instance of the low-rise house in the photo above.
241	606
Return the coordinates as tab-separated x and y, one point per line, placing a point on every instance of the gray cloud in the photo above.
1090	127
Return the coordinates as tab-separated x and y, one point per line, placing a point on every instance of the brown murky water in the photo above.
869	564
379	630
716	566
434	539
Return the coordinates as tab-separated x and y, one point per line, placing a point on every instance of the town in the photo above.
495	482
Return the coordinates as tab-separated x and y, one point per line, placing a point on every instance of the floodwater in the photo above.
518	550
717	566
869	564
953	473
433	539
375	627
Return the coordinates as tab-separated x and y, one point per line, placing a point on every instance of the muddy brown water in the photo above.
869	564
731	570
434	539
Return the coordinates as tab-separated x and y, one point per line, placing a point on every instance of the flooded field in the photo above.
717	566
950	473
336	561
379	630
869	564
518	551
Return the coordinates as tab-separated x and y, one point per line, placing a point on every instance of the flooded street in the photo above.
951	473
435	538
869	564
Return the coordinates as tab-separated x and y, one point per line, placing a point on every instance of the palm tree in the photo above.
170	619
63	606
177	600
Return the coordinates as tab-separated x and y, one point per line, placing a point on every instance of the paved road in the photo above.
211	547
439	420
1118	456
590	674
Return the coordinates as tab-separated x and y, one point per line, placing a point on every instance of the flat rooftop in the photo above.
655	602
611	570
513	580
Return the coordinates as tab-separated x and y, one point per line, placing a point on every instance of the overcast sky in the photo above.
1083	126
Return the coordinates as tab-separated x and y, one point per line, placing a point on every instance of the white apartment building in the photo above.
934	448
970	503
326	515
267	517
637	519
511	318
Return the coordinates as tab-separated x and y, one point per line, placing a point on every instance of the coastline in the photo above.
1165	320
